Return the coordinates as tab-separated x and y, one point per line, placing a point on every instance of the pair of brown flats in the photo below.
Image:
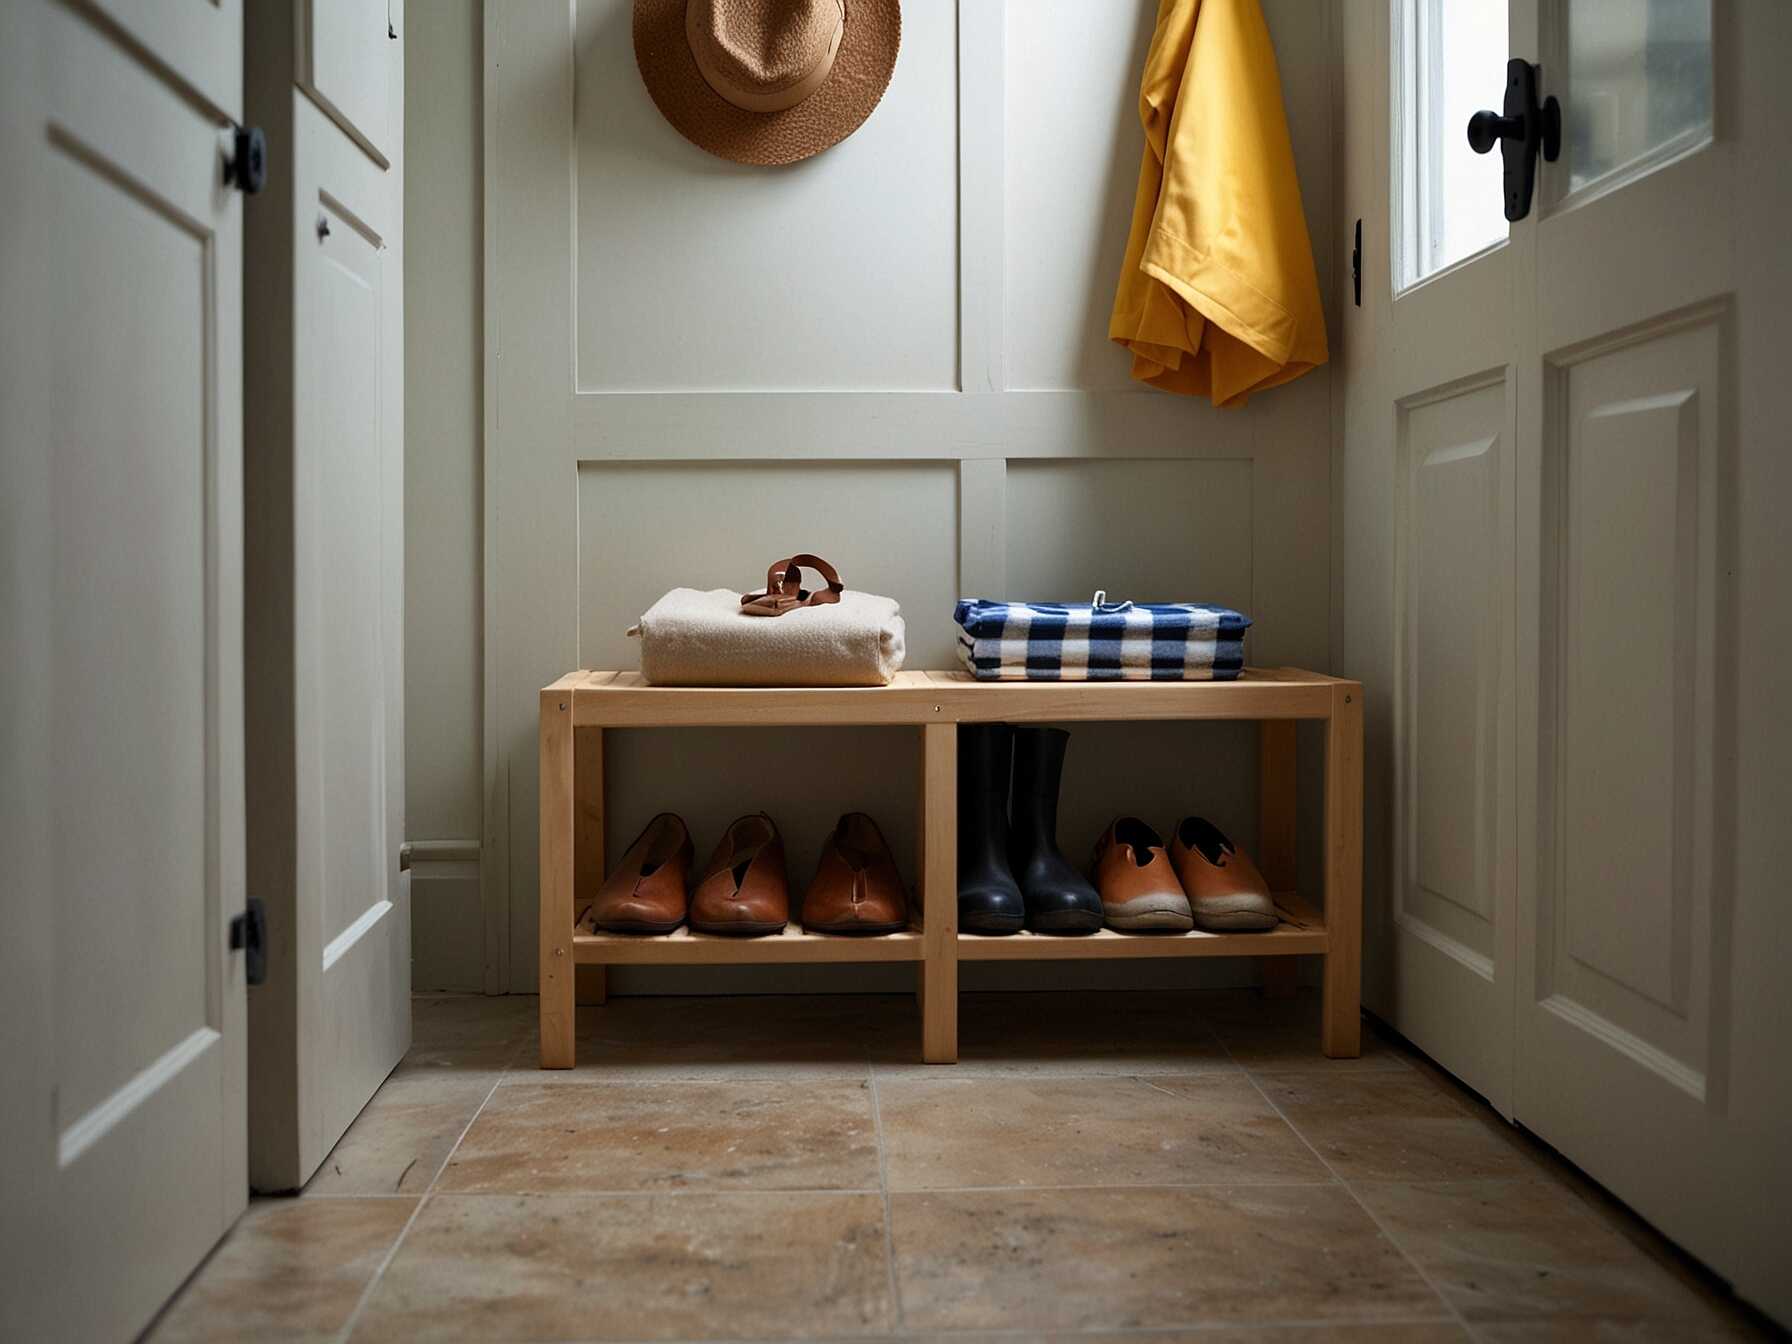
744	890
1203	880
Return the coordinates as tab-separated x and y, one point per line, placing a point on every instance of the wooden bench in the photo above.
592	704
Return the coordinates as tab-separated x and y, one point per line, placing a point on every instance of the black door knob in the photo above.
1486	129
247	169
1524	130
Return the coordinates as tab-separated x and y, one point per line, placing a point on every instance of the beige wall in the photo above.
1090	484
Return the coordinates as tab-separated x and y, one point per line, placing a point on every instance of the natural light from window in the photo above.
1451	62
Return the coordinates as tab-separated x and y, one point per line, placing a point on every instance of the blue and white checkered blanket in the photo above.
1099	641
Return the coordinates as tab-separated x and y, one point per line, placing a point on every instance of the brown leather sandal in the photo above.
783	590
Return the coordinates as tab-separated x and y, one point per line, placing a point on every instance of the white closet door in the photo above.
354	927
122	1118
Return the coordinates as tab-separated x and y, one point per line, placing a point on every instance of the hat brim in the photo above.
853	88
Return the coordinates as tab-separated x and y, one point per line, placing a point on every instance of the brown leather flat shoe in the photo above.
1229	895
646	893
1138	885
856	888
743	889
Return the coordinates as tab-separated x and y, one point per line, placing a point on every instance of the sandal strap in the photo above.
784	591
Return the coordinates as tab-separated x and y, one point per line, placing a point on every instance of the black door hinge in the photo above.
1356	266
249	935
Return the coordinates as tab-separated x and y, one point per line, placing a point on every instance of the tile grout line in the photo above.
693	1191
883	1182
975	1074
709	1192
354	1317
379	1273
1114	1185
1146	1332
478	1111
1368	1213
912	1073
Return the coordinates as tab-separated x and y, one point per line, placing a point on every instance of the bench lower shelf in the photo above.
684	947
1301	933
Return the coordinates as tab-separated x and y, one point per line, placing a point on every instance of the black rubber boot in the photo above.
988	899
1059	899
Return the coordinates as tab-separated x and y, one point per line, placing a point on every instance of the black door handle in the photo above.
249	935
1526	129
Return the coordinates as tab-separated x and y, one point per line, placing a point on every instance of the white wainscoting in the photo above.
893	354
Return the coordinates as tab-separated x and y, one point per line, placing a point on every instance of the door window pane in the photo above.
1451	61
1639	83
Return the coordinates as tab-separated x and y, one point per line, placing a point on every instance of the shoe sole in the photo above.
1158	911
994	926
855	930
1065	922
737	930
1157	921
1236	921
637	926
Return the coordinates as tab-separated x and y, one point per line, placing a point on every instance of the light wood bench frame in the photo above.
579	709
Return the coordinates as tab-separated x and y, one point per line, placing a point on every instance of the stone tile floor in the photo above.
1141	1167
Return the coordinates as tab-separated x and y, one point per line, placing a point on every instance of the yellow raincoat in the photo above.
1218	295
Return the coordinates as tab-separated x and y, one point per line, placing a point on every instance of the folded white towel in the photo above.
695	638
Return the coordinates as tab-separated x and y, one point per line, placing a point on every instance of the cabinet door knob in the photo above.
247	167
323	228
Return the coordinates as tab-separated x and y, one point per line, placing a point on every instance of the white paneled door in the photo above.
326	642
345	67
1445	413
1588	417
353	908
122	1117
1652	732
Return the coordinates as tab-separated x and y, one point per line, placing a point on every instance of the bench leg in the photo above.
590	983
1276	799
557	876
591	989
1341	1033
1278	977
939	893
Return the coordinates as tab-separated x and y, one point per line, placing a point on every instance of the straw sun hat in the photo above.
766	81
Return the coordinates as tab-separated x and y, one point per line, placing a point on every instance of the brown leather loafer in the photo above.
646	893
856	888
743	889
1138	885
1229	895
